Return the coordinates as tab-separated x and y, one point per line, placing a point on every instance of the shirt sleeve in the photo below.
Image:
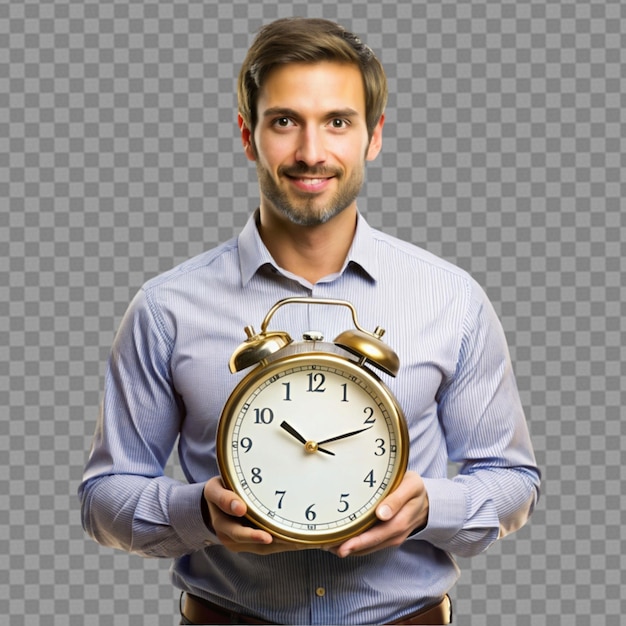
497	484
126	500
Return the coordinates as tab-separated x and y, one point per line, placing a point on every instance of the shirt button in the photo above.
320	592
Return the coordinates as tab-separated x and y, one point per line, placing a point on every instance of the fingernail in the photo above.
384	512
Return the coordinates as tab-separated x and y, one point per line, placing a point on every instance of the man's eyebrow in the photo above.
279	112
287	112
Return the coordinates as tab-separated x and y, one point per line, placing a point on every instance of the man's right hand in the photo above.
227	513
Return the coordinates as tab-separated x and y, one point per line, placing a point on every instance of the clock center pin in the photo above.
310	447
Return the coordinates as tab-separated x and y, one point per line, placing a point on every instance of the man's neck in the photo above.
311	252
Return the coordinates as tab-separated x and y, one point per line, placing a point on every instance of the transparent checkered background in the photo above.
504	152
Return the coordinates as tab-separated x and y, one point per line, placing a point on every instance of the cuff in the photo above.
447	507
186	517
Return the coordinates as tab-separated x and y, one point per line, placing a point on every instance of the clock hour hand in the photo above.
344	436
310	446
293	432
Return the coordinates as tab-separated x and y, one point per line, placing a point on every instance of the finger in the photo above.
374	539
235	533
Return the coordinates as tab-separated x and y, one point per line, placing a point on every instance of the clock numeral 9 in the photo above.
245	444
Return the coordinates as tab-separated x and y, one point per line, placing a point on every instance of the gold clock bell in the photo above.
365	345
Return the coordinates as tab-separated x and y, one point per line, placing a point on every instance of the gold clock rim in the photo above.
260	373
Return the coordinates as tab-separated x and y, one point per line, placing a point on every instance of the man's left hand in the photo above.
400	514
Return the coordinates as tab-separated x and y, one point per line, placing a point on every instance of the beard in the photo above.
305	209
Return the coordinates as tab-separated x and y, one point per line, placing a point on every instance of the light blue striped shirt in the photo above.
167	381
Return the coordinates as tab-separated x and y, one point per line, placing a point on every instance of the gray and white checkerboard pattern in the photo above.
505	152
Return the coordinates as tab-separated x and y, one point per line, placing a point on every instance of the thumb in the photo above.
226	500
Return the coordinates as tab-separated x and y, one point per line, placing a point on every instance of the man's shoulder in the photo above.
214	259
411	255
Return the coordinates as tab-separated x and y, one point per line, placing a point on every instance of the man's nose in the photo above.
311	146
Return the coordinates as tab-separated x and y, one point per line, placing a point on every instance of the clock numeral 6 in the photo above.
310	514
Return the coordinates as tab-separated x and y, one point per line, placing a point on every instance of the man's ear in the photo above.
246	138
376	142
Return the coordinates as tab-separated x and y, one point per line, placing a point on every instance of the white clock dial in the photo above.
312	444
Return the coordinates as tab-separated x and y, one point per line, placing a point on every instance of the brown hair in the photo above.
308	40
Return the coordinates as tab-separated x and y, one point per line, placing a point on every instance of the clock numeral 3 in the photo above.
380	449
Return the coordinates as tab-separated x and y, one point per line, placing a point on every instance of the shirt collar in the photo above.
253	254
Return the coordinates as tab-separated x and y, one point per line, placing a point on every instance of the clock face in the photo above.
311	443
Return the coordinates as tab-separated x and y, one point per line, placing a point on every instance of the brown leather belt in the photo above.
199	611
440	613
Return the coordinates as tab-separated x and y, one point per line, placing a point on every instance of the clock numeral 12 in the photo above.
316	383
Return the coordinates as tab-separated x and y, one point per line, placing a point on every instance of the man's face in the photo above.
311	143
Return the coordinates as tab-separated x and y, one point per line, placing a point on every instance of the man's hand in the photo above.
399	514
227	518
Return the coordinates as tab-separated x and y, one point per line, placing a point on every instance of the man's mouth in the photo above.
310	185
310	181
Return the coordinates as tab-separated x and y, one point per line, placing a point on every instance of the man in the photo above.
311	113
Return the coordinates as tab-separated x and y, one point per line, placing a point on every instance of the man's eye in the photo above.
338	123
282	122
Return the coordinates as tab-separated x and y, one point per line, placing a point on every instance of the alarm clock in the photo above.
311	439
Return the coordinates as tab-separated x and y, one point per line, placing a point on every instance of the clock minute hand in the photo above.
311	446
344	436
